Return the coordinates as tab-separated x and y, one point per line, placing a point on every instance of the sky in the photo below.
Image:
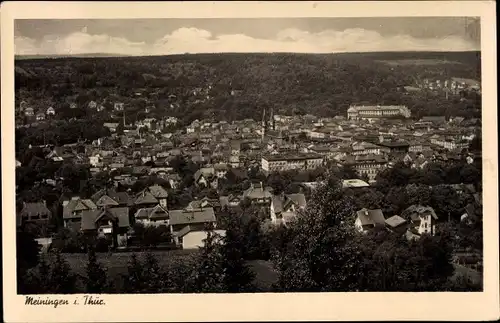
302	35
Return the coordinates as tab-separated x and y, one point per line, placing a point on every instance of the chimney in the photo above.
366	212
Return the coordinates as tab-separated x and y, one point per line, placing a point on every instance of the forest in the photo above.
238	86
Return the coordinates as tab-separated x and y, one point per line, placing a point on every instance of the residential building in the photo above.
73	209
109	223
354	183
258	194
284	162
190	220
422	219
368	165
35	213
396	224
369	219
152	216
285	207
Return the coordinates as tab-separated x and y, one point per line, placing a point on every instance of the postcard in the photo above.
249	161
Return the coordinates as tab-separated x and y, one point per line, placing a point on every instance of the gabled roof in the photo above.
106	201
156	212
90	217
77	205
145	197
371	217
30	209
158	191
192	216
298	200
416	211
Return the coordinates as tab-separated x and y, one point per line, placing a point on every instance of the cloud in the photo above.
193	40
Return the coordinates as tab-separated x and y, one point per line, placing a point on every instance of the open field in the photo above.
418	62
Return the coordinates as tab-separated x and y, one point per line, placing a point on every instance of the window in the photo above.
425	225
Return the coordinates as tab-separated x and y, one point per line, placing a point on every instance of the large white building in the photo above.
284	162
377	111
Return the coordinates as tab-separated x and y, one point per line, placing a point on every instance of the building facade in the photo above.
284	162
369	112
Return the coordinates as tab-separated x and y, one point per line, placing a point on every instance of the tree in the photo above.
237	275
134	280
144	276
96	280
418	194
62	280
317	251
27	251
208	275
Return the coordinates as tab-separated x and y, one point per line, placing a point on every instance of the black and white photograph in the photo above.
248	155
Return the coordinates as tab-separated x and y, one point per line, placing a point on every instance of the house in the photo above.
230	201
173	180
159	193
354	183
35	212
204	203
157	215
111	198
220	170
369	219
196	219
205	176
58	154
118	106
151	197
29	112
73	209
192	238
73	106
109	223
50	111
258	194
40	116
396	224
285	207
422	219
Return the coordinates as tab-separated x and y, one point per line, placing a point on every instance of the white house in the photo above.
119	106
50	111
422	219
193	239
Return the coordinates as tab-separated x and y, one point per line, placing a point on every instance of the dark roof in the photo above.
415	211
395	221
371	217
156	212
158	191
90	217
192	216
145	197
77	205
38	208
434	119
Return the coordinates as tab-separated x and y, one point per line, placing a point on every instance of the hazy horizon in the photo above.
156	37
